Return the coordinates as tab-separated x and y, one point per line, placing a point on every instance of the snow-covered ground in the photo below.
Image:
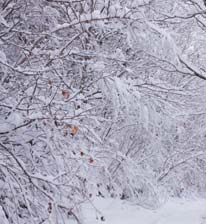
120	212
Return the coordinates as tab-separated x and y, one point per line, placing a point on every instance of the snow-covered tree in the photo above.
99	98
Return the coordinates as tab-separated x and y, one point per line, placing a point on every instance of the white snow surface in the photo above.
120	212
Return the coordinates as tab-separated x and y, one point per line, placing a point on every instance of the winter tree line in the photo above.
100	98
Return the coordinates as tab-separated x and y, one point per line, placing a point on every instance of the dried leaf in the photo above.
49	207
49	82
65	94
81	153
74	130
91	160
